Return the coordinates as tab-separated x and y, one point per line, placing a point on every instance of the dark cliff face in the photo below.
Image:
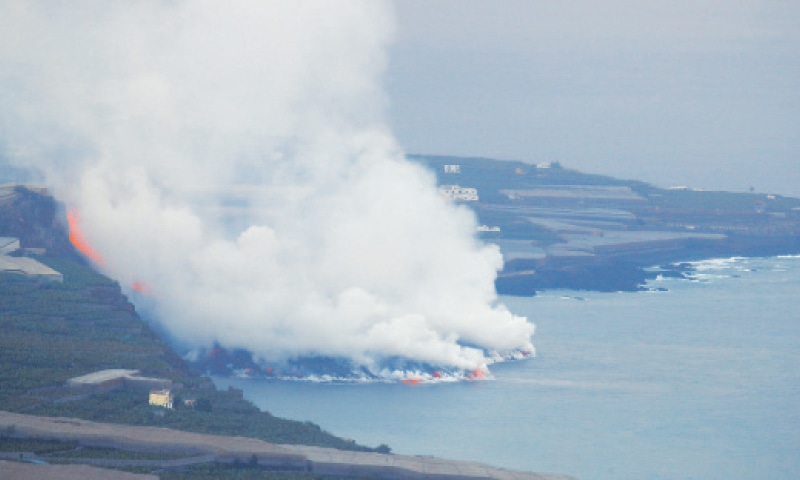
38	221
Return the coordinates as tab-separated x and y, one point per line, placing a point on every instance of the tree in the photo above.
203	405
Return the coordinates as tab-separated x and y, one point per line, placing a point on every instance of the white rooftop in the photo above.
103	376
23	265
28	266
8	245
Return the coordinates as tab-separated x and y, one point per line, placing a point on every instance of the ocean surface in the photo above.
698	382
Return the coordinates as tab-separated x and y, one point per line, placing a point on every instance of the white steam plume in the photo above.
233	156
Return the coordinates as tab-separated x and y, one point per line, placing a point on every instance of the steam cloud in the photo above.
233	157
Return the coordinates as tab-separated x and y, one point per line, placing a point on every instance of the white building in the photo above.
452	169
455	192
161	398
116	378
24	265
8	245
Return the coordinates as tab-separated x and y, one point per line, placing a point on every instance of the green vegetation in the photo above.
59	451
241	471
53	332
37	446
230	415
108	454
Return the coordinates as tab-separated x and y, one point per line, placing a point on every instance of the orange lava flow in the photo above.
141	287
78	240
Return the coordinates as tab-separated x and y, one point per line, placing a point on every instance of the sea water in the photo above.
701	381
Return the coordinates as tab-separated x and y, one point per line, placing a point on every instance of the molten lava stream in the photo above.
78	240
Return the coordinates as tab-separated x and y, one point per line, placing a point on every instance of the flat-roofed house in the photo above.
161	398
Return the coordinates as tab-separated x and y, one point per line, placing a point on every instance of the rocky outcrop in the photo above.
34	216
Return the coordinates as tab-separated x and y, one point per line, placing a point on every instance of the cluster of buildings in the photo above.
456	192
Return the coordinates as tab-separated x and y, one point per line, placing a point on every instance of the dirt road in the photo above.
321	461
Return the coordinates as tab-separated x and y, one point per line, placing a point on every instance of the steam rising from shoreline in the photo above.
234	160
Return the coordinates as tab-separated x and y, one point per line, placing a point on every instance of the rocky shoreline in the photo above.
629	270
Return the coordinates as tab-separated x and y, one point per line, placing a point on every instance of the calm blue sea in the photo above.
699	382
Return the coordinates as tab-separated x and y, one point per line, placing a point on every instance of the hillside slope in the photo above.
53	331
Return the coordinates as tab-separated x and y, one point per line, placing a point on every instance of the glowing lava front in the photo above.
142	287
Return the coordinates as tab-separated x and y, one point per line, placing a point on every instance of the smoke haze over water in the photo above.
235	160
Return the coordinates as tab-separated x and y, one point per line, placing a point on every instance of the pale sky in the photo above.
702	93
